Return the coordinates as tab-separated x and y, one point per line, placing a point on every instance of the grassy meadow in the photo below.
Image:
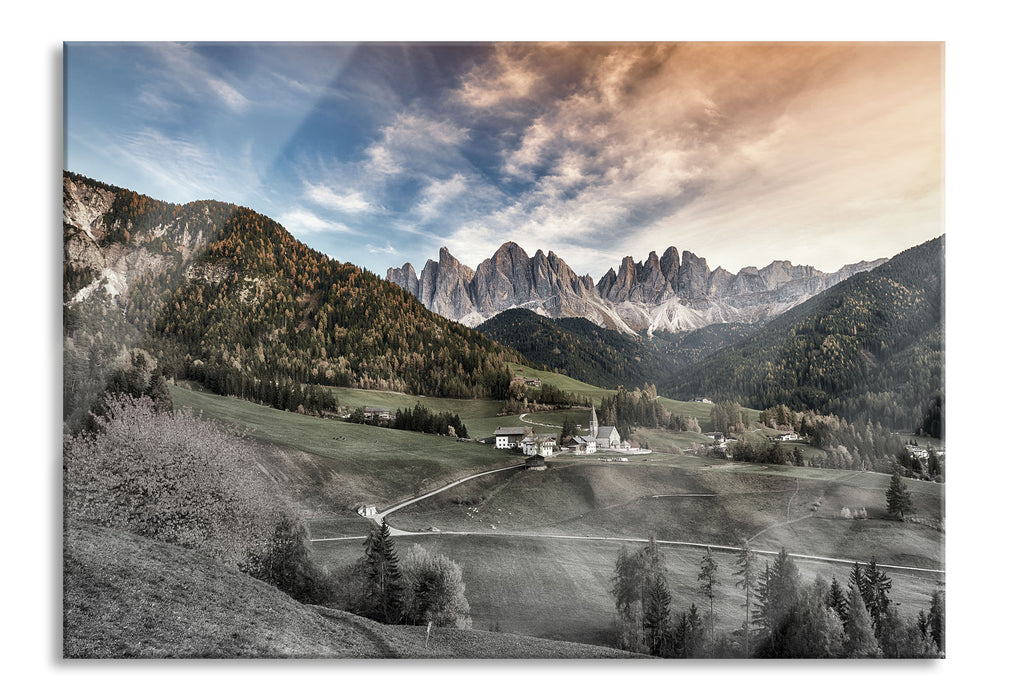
560	589
383	466
523	573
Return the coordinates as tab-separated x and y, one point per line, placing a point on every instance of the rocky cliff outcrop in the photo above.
667	292
113	251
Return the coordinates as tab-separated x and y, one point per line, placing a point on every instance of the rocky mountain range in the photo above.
668	292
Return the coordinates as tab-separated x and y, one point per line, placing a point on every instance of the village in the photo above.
545	445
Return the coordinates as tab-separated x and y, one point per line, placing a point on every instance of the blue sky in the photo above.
379	154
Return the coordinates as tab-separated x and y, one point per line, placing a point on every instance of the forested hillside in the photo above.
583	350
219	293
871	348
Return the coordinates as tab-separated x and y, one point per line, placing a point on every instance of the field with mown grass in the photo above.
689	499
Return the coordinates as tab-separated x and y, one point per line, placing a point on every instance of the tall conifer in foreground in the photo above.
746	560
383	599
708	583
898	498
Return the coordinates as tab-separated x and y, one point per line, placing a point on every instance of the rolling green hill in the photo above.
130	597
870	348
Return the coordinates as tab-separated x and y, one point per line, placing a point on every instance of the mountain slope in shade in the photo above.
662	293
582	350
871	347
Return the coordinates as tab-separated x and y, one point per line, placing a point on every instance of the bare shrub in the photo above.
170	477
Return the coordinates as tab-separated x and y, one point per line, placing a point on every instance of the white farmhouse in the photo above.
507	438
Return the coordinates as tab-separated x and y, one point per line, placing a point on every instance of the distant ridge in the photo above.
662	293
869	348
603	357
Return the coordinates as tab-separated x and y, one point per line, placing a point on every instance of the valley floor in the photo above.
538	548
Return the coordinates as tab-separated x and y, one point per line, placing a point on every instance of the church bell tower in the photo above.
593	424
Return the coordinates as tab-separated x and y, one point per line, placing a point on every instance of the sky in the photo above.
381	153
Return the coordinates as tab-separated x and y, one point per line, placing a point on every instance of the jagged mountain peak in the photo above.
673	291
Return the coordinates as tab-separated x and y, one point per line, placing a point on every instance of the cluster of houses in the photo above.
600	437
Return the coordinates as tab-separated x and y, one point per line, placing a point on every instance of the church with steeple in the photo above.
600	437
605	437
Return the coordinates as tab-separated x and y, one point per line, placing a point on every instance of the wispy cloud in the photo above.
438	194
303	221
183	69
414	143
350	202
387	249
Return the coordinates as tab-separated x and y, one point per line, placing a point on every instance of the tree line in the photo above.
641	408
781	616
420	419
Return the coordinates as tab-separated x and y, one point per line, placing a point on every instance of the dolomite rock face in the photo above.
115	252
668	292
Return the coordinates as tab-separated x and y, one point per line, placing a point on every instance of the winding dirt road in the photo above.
379	517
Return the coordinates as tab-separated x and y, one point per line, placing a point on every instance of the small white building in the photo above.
507	438
786	437
367	511
543	445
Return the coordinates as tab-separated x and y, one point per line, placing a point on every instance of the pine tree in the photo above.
836	599
898	498
876	592
708	582
384	588
686	635
937	619
778	592
859	640
655	615
746	560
